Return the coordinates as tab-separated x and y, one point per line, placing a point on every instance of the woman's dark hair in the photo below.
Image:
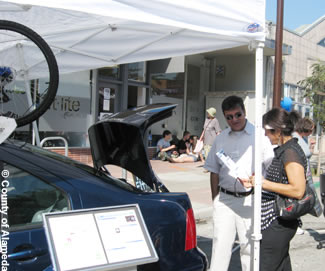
295	117
305	125
232	102
194	139
280	119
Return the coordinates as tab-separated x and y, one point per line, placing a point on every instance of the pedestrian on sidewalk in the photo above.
232	156
304	128
211	129
285	176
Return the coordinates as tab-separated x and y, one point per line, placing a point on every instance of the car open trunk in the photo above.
119	140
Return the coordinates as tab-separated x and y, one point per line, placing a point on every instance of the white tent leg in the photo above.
185	95
30	103
36	133
257	236
27	86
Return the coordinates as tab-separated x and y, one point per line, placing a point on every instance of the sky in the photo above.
296	12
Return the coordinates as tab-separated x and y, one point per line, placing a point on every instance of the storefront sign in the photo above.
67	114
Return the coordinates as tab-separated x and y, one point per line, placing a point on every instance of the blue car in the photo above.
35	181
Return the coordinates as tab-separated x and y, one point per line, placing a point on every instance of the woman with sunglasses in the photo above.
285	176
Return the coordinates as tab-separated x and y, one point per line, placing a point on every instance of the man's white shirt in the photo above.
240	148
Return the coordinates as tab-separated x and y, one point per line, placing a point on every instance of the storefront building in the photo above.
308	47
194	83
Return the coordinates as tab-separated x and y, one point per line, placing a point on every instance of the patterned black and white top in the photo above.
288	152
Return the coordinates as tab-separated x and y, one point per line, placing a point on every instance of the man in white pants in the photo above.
231	157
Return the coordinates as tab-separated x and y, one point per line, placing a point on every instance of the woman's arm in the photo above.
202	135
296	177
297	182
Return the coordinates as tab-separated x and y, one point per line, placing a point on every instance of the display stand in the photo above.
110	238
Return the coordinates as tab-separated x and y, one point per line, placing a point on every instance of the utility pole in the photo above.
277	85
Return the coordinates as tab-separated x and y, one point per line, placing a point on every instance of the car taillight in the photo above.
190	239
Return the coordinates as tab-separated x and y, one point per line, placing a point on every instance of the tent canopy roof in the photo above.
92	34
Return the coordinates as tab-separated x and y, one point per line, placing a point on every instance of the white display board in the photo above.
109	238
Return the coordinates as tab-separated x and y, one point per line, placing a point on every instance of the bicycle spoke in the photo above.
28	73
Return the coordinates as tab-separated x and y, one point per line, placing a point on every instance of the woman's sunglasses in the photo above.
236	116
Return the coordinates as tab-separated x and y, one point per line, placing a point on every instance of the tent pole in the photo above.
184	122
257	236
35	136
278	55
28	94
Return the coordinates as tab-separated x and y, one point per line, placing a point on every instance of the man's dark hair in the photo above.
186	133
166	133
231	102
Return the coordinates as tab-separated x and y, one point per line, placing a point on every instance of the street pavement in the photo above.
190	178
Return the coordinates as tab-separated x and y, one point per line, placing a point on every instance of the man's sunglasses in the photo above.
236	116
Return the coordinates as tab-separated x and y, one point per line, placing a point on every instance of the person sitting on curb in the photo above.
184	144
164	149
188	157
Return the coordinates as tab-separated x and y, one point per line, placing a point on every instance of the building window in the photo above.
300	102
137	71
168	84
168	88
110	72
220	71
322	42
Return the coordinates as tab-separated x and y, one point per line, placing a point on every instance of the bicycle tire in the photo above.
52	66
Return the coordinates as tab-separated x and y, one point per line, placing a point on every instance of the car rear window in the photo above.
99	173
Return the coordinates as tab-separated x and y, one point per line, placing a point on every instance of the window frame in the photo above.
22	227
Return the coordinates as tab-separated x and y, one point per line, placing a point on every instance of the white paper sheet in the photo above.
77	242
122	236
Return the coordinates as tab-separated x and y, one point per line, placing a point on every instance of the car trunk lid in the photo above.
120	140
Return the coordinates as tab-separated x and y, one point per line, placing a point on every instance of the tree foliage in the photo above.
314	87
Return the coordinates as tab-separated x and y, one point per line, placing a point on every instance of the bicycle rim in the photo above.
28	73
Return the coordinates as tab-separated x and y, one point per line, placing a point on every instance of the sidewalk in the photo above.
189	178
314	162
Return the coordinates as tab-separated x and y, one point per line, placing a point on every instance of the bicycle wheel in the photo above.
29	73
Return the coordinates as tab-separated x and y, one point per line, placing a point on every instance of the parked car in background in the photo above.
41	181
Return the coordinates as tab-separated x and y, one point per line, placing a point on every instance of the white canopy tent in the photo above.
90	34
87	35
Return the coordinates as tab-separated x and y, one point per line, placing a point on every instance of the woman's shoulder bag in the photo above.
291	208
